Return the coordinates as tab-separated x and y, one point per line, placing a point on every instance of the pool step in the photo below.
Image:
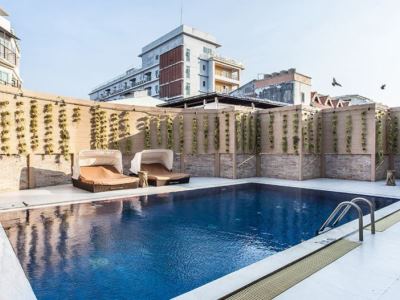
386	222
276	283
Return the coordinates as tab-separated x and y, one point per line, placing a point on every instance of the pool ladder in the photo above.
344	207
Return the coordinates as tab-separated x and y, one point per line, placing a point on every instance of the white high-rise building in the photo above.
181	63
9	53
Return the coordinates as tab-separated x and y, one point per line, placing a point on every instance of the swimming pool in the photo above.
160	246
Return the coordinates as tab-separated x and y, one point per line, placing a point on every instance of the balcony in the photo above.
8	55
104	95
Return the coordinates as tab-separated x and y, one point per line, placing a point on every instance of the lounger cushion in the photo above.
104	175
157	171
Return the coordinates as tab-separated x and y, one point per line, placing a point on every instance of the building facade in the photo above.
287	86
181	63
9	53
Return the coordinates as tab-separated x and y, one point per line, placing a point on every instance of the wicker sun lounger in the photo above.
159	175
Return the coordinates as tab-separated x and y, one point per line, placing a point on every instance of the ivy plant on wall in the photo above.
379	115
271	130
33	124
319	134
393	133
194	135
310	129
181	135
99	128
245	133
252	136
334	132
159	133
348	133
170	132
48	128
227	137
125	131
239	133
64	134
114	131
76	114
306	142
284	133
295	129
147	138
5	127
258	134
364	130
205	132
20	127
216	133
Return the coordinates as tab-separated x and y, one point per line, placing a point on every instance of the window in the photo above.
157	73
187	54
156	89
157	57
187	89
187	72
206	50
204	83
149	90
302	97
204	67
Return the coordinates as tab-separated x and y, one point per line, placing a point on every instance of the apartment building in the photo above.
9	53
287	86
181	63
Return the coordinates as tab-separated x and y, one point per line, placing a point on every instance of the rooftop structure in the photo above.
287	86
139	98
9	53
181	63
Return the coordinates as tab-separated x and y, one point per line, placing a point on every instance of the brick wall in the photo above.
200	165
311	166
14	173
226	165
246	165
50	170
284	166
350	166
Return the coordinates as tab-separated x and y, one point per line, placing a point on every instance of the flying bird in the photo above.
383	86
335	83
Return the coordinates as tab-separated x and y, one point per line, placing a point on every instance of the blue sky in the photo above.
68	47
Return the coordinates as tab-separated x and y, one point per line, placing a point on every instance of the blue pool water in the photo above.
160	246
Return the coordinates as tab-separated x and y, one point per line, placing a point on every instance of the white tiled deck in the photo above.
372	271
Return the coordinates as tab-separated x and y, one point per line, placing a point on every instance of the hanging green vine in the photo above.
284	133
239	133
252	139
125	131
194	135
99	128
114	131
147	138
393	133
181	135
258	134
33	125
76	114
295	129
216	133
20	127
319	133
364	130
334	132
379	115
271	130
5	127
159	133
48	128
245	133
205	132
305	129
170	132
64	134
349	132
310	129
227	137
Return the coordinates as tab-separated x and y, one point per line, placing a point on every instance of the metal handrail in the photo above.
371	205
335	212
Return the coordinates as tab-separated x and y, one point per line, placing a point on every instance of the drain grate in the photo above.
386	222
278	282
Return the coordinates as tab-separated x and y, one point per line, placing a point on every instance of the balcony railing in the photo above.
233	76
128	87
8	55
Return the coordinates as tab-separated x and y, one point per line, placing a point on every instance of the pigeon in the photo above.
335	83
383	86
